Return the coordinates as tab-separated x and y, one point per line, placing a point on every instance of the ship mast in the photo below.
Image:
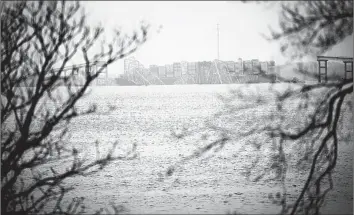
217	30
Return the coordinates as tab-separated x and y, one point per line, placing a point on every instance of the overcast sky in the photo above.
186	31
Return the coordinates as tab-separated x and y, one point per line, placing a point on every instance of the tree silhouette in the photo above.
313	27
39	98
300	126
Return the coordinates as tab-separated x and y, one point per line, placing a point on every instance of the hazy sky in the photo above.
188	31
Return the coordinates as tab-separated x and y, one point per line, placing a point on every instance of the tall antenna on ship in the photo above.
217	30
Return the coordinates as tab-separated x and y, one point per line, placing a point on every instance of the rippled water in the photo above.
146	115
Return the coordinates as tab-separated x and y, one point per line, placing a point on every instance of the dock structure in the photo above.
80	70
322	67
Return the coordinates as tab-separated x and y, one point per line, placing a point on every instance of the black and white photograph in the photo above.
177	107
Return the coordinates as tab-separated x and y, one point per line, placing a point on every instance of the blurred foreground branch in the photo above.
39	98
